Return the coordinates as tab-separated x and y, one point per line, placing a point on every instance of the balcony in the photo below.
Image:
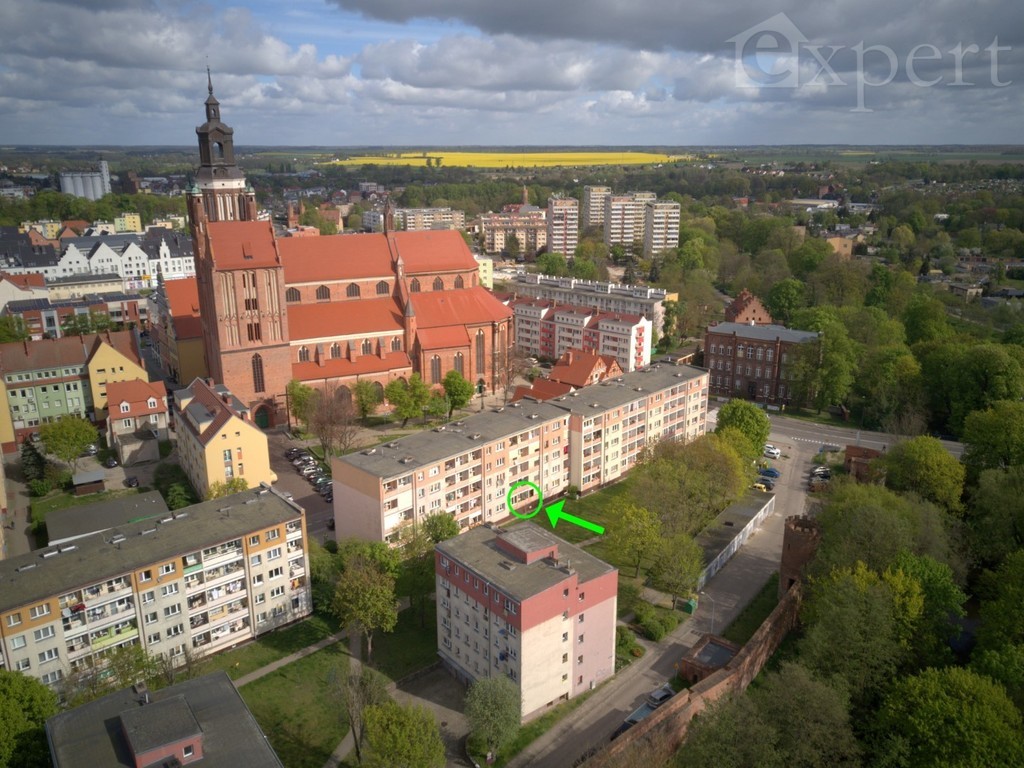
217	576
100	616
221	556
105	592
221	594
113	636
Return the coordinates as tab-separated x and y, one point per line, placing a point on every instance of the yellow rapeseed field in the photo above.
512	159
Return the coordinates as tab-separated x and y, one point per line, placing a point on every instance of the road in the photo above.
318	511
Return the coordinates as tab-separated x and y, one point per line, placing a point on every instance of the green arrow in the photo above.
555	514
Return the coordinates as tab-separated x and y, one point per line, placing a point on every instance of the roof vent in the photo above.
533	416
179	515
167	519
515	405
147	531
475	436
117	538
50	553
442	428
25	567
679	375
392	444
595	405
499	409
638	389
507	565
407	460
459	423
67	548
369	451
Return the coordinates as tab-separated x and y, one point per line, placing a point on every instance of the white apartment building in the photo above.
563	225
593	205
625	217
416	219
661	227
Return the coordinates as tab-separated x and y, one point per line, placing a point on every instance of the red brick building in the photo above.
747	309
752	361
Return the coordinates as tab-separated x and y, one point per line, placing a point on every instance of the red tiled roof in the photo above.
576	367
26	281
433	251
342	318
443	338
68	350
137	393
183	300
542	389
467	306
242	244
77	225
340	368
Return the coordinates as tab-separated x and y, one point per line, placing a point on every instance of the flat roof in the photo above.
72	522
724	528
763	332
713	654
423	448
51	571
94	734
477	550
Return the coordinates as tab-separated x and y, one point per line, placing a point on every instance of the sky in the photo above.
514	72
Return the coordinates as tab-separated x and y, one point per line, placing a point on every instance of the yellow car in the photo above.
760	487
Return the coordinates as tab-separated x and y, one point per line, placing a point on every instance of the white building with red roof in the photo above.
136	419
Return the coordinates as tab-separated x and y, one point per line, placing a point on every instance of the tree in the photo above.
925	320
513	247
785	298
365	597
1002	614
924	466
408	398
33	465
333	420
994	437
367	396
996	516
402	737
1006	666
731	733
437	405
494	711
943	604
12	328
227	487
178	496
440	527
68	437
457	389
677	566
301	398
552	264
355	693
949	718
987	373
508	366
634	534
748	419
825	366
25	704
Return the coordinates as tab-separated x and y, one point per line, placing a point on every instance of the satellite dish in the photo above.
66	613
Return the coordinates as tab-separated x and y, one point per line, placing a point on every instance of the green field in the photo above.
538	159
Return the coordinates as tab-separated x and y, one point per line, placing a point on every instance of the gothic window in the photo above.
258	384
352	291
292	295
323	293
367	347
435	370
458	363
438	284
335	351
254	331
459	283
382	288
303	354
481	357
396	344
378	390
343	395
414	286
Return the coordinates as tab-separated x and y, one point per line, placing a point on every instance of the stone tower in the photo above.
799	544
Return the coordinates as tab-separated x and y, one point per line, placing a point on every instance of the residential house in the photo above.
177	330
137	420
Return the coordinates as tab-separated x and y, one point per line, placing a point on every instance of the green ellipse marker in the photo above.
520	484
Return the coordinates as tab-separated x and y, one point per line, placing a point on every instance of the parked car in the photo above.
767	482
659	696
312	469
131	482
293	453
91	450
329	498
771	451
761	487
769	472
302	460
326	490
321	481
830	448
822	472
110	463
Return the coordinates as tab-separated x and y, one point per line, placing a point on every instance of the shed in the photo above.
88	482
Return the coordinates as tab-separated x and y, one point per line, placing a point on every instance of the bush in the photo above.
40	487
654	623
58	477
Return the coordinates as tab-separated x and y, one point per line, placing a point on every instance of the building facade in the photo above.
525	604
91	185
200	580
604	297
527	224
47	318
546	329
625	217
753	361
177	331
747	309
661	227
563	225
137	420
586	438
418	219
217	440
593	206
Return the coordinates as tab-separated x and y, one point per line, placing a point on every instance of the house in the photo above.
523	603
21	288
217	438
203	721
177	330
580	368
857	461
137	419
747	309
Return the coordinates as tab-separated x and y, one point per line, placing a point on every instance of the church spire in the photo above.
209	81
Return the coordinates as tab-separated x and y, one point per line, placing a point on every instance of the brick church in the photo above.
333	310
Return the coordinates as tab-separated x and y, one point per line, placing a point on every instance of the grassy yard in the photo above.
272	647
593	507
408	648
294	708
746	624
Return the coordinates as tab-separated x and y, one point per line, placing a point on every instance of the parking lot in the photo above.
318	511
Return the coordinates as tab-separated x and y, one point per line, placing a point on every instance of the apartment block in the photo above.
546	329
753	361
523	603
563	225
526	223
661	227
53	318
593	205
217	438
198	580
416	219
605	297
473	468
625	217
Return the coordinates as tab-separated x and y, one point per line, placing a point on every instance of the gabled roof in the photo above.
183	301
26	281
542	389
211	407
576	367
68	350
465	306
452	337
342	318
242	244
137	394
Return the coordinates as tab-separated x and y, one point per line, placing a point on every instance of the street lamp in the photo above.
713	604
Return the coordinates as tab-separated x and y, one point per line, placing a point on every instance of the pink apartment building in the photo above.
522	602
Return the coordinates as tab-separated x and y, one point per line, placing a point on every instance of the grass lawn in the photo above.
747	623
295	710
592	507
272	647
408	648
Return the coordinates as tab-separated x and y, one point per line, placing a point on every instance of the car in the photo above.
131	482
301	460
761	487
767	482
329	498
312	469
830	448
823	472
293	453
769	472
91	450
772	452
659	696
322	481
327	490
110	463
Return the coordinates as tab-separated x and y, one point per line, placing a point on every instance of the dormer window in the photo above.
125	408
151	403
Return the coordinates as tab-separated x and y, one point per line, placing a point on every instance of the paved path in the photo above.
302	653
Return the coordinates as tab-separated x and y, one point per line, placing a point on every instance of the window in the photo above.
166	569
458	363
126	423
367	347
581	618
23	665
255	560
45	633
276	573
258	384
17	642
254	541
323	293
292	295
273	554
170	589
176	630
273	534
579	659
565	637
38	611
148	597
145	576
153	639
459	282
172	610
227	455
414	286
352	291
277	591
580	639
260	599
438	284
382	288
396	344
151	618
481	357
303	354
254	332
126	408
335	351
583	596
257	580
188	751
435	370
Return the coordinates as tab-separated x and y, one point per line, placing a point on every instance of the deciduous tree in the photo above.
355	692
493	709
365	598
924	466
407	397
633	534
748	419
441	527
25	704
996	516
994	438
227	487
677	566
301	398
68	437
458	390
333	420
400	736
367	396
